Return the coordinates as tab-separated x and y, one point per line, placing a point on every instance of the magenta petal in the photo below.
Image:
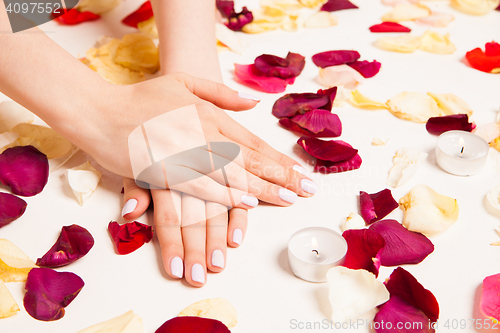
192	325
291	126
236	21
272	65
226	7
48	292
24	169
439	125
73	243
334	58
498	8
327	167
366	207
383	204
323	123
259	81
490	297
362	248
366	68
397	315
389	27
334	5
11	208
401	245
290	105
332	150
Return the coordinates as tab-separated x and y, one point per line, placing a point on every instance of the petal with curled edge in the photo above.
414	106
406	12
475	7
259	81
213	308
74	16
12	114
149	27
406	163
322	123
366	68
403	43
492	201
451	104
361	101
230	39
290	105
458	122
14	263
284	68
363	247
332	150
192	325
139	53
434	42
376	206
334	58
341	75
8	305
335	5
129	237
396	312
490	297
128	322
236	21
83	180
11	208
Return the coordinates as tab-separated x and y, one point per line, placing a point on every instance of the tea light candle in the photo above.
313	251
461	153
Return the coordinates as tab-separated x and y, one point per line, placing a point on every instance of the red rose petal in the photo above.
401	245
259	81
192	325
484	61
129	237
290	105
143	13
321	123
73	16
439	125
327	167
334	58
291	126
389	27
48	292
73	243
272	65
397	315
362	248
11	208
492	49
332	150
24	169
334	5
366	207
382	202
236	21
490	297
366	68
226	7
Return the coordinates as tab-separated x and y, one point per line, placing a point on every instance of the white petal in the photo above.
214	308
406	162
12	114
8	306
230	38
353	221
126	323
321	20
492	201
83	180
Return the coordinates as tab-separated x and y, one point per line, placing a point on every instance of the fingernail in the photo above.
301	170
237	236
129	207
248	96
309	186
249	201
218	259
176	267
287	195
198	273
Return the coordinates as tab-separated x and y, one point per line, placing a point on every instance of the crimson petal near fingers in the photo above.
389	27
272	65
251	74
381	202
192	325
333	150
321	123
290	105
129	237
439	125
11	208
334	58
396	312
363	246
143	13
366	68
334	5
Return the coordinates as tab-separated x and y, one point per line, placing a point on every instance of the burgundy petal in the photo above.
498	8
290	105
397	315
73	243
226	7
332	150
334	5
383	204
129	237
363	245
401	283
291	126
24	169
259	81
11	208
272	65
366	68
401	245
322	123
192	325
389	27
327	167
143	13
490	297
236	21
48	292
439	125
334	58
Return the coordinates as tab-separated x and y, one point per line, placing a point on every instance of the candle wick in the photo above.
462	151
316	251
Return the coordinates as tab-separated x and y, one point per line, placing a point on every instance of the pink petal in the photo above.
259	81
439	125
322	123
327	167
73	243
382	202
490	297
397	315
389	27
11	208
129	237
48	292
340	75
401	245
236	21
334	58
366	68
332	150
363	245
436	19
334	5
401	283
192	325
290	105
287	68
226	7
24	169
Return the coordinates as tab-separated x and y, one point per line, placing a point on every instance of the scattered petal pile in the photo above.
192	325
490	297
128	322
214	308
376	206
485	61
439	125
406	162
83	180
129	237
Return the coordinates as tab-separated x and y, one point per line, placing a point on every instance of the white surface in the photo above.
257	280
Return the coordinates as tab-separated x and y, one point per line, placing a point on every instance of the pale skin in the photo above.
98	117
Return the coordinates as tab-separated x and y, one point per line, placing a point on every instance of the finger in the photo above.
216	236
168	229
238	221
136	199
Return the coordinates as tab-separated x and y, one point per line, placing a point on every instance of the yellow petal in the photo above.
138	53
229	38
97	6
321	20
8	305
14	264
413	106
312	3
148	27
83	180
497	243
406	12
7	140
403	43
359	100
379	141
126	323
12	114
434	42
496	144
291	7
214	308
475	7
266	19
451	104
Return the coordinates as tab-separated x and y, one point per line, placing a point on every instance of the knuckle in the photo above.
256	143
254	158
201	185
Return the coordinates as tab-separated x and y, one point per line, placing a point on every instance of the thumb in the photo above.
218	93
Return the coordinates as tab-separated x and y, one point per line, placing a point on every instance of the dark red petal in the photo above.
439	125
143	13
383	204
334	5
498	8
366	207
11	208
492	49
389	27
332	150
290	105
192	325
236	21
397	315
73	16
327	167
73	243
401	245
490	297
334	58
366	68
272	65
321	123
129	237
259	81
226	7
24	169
48	292
291	126
363	245
401	283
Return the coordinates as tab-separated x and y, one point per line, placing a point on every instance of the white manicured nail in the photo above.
309	186
176	267
129	207
198	273
218	259
287	195
237	236
301	170
249	201
248	96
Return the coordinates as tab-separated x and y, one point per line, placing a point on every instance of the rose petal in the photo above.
413	106
14	263
97	6
83	180
492	49
290	105
149	27
490	297
334	5
266	18
401	246
341	75
321	123
138	53
439	125
48	292
226	7
475	7
353	221
485	62
321	20
258	80
287	68
192	325
143	13
213	308
366	68
327	167
436	19
73	16
451	104
126	323
73	243
12	114
406	162
359	100
389	27
129	237
434	42
8	305
230	38
492	201
11	208
376	206
363	246
406	12
334	58
379	141
24	169
399	313
332	150
236	21
403	43
366	207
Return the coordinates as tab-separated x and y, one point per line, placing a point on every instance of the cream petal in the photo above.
83	180
404	43
475	7
359	100
126	323
406	12
414	106
380	141
341	75
353	221
8	305
97	6
230	38
451	104
434	42
213	308
321	19
492	201
14	263
406	162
